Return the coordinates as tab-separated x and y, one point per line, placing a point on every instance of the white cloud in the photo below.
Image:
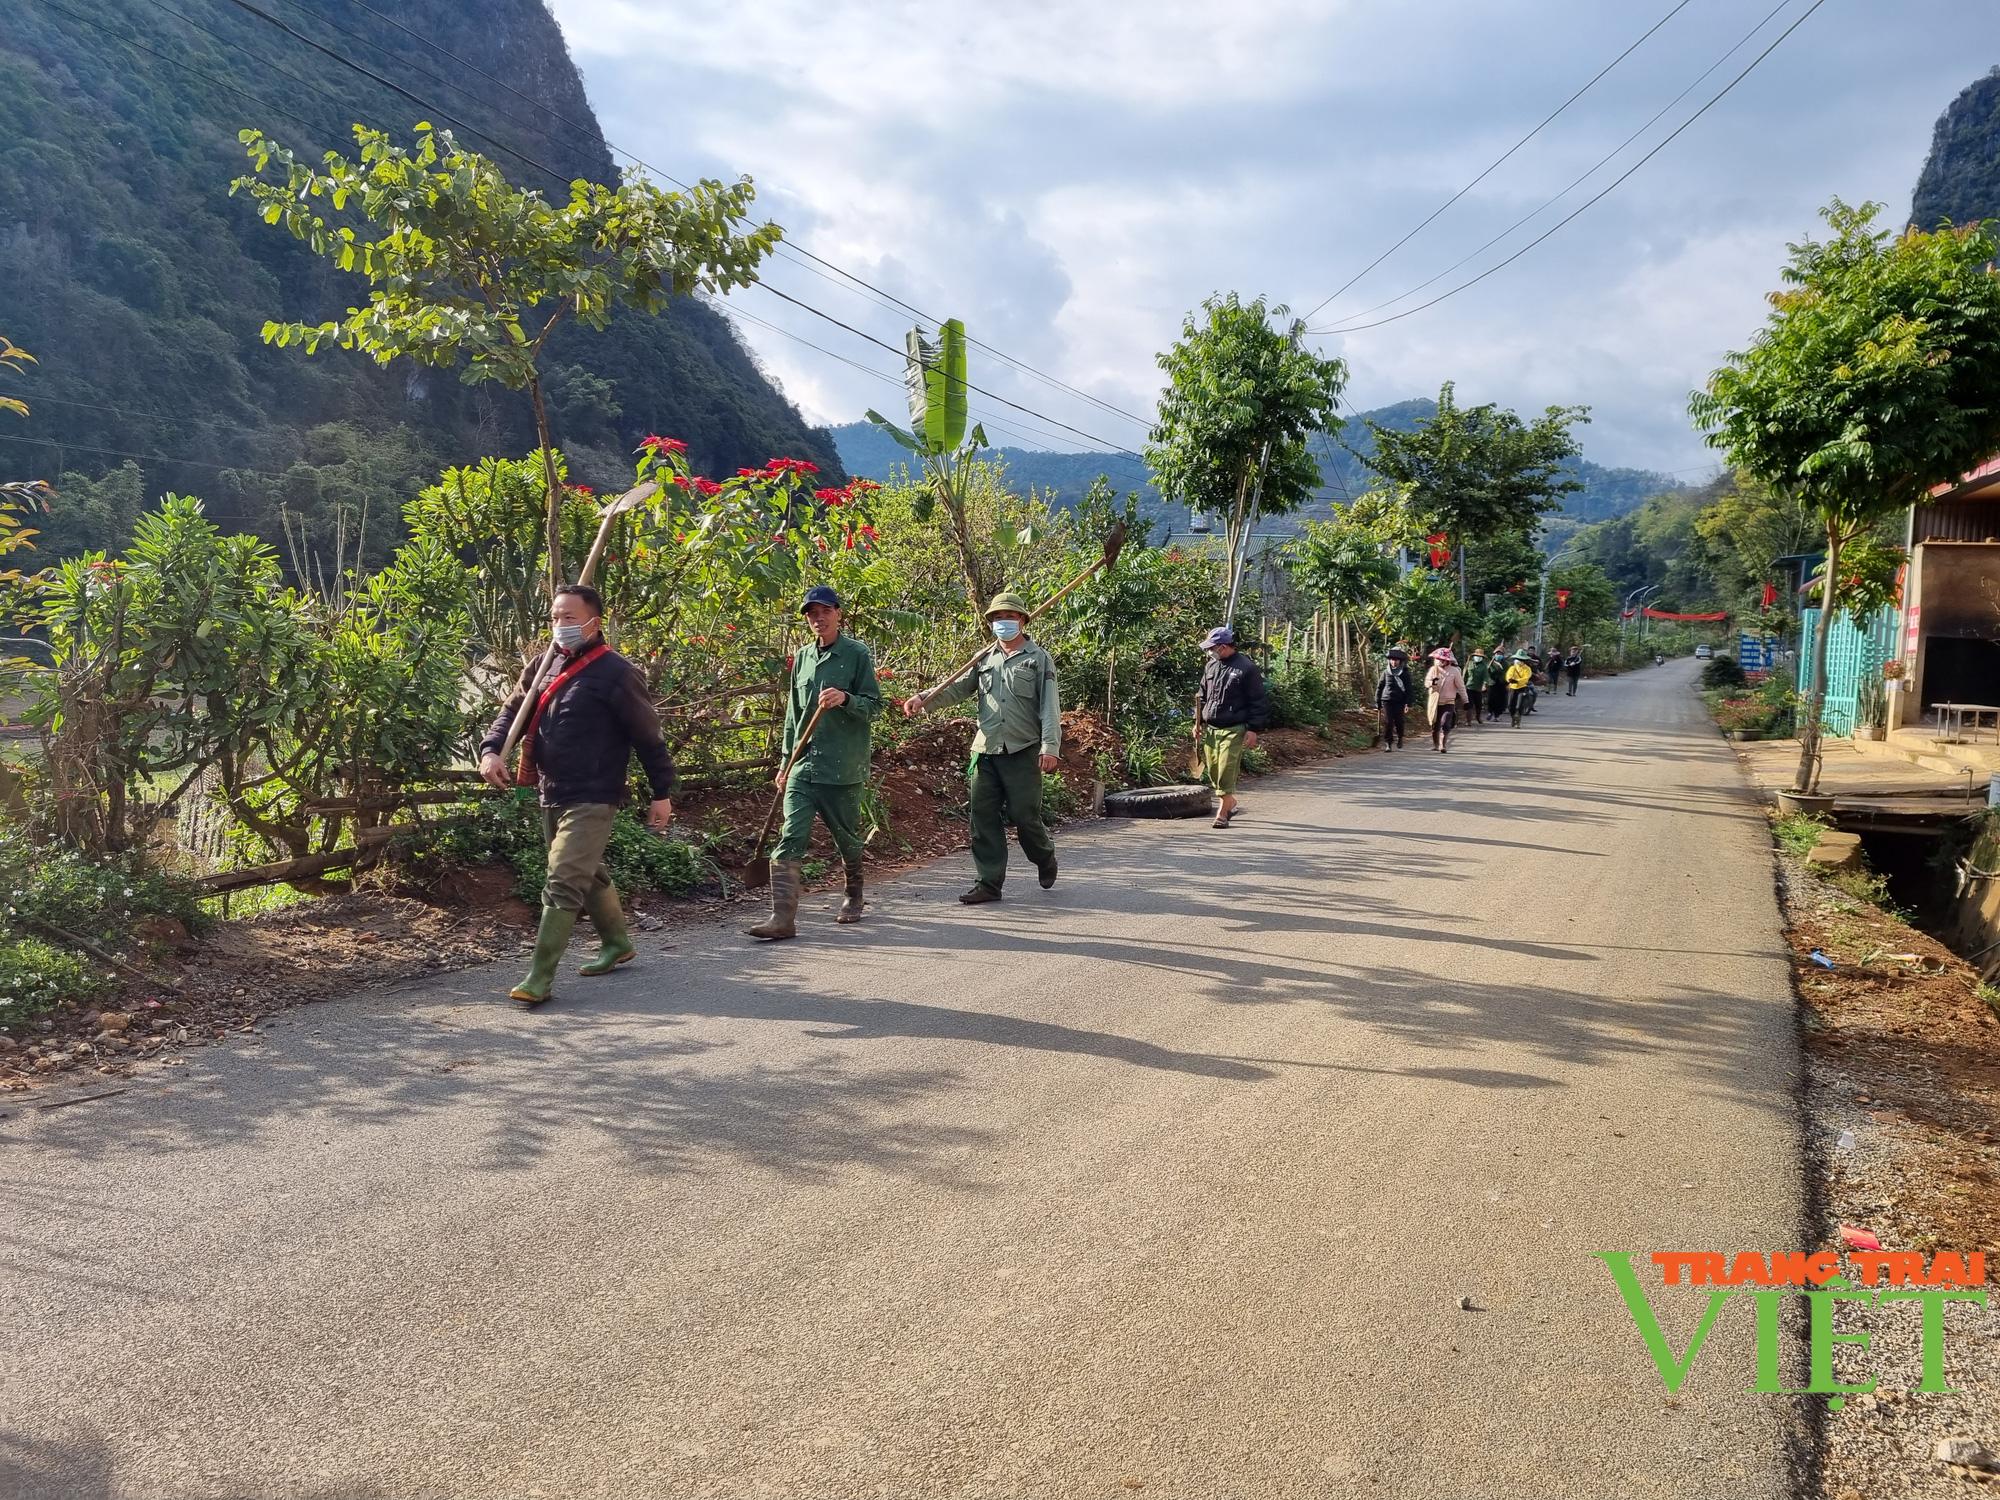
1071	180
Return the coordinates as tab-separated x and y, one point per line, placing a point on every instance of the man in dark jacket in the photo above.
582	730
1231	709
1392	697
833	678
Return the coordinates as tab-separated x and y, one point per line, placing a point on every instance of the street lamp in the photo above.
1632	606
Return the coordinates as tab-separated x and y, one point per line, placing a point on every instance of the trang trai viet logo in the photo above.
1906	1278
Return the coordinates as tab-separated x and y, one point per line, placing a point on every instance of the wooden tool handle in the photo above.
785	775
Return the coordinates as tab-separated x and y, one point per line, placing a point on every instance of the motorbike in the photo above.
1659	658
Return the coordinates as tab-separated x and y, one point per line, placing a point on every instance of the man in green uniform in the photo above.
835	676
1019	738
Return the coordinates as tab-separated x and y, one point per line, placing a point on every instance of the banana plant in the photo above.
935	376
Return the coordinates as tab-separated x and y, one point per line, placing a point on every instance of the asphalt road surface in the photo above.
1168	1181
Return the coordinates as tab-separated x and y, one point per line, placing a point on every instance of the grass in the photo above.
1796	833
1990	995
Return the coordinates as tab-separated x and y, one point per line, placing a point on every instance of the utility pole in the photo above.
1541	605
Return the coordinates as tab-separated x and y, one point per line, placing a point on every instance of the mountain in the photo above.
868	451
1961	177
140	285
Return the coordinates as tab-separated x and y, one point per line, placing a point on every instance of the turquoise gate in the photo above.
1852	657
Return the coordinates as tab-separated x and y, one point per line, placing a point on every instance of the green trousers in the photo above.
839	807
1007	788
577	836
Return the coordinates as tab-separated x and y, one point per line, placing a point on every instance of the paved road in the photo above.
1169	1180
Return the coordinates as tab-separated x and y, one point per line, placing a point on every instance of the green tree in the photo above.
461	265
1590	598
1478	472
1242	399
1870	384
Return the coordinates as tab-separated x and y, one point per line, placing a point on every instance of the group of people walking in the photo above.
1489	685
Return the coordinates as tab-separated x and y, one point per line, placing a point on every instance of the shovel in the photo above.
1114	543
626	503
757	874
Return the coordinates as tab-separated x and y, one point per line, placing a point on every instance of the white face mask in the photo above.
569	637
1006	630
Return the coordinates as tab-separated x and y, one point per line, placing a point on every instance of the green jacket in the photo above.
837	754
1018	704
1475	676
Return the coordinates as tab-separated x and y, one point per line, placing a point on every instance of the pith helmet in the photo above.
1008	602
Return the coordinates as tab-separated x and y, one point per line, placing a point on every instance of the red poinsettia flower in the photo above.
850	542
869	532
753	474
581	489
682	481
730	628
791	466
885	676
831	496
862	486
820	542
660	444
707	487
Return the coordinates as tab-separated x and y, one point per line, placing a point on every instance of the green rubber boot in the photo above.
550	940
614	940
784	918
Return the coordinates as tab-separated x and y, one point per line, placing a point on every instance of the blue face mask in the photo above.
1006	630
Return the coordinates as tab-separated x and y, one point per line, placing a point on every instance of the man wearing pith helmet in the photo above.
834	676
1019	739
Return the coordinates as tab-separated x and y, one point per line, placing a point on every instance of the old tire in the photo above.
1188	801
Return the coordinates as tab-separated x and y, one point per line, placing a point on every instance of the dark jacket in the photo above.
1393	686
1233	692
587	734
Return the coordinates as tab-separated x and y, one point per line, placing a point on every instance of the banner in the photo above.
1667	614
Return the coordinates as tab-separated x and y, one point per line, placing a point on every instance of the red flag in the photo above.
1562	598
1770	595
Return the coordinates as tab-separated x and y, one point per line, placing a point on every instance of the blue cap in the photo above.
1222	635
820	593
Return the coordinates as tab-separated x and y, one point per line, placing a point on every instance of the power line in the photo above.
156	458
1496	162
798	254
734	313
1575	182
990	395
1600	197
421	103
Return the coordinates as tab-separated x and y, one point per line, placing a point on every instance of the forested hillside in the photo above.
140	284
867	451
1961	177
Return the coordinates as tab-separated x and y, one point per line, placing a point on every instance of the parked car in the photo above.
1703	653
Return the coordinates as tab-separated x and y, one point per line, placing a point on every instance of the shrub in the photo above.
35	976
1723	672
102	896
1301	697
1256	761
508	830
1060	801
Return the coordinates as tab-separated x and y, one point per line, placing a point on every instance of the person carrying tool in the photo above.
1476	672
1520	687
1392	698
1574	666
581	733
1231	709
834	691
1018	740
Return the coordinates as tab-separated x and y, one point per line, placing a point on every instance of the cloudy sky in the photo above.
1072	179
